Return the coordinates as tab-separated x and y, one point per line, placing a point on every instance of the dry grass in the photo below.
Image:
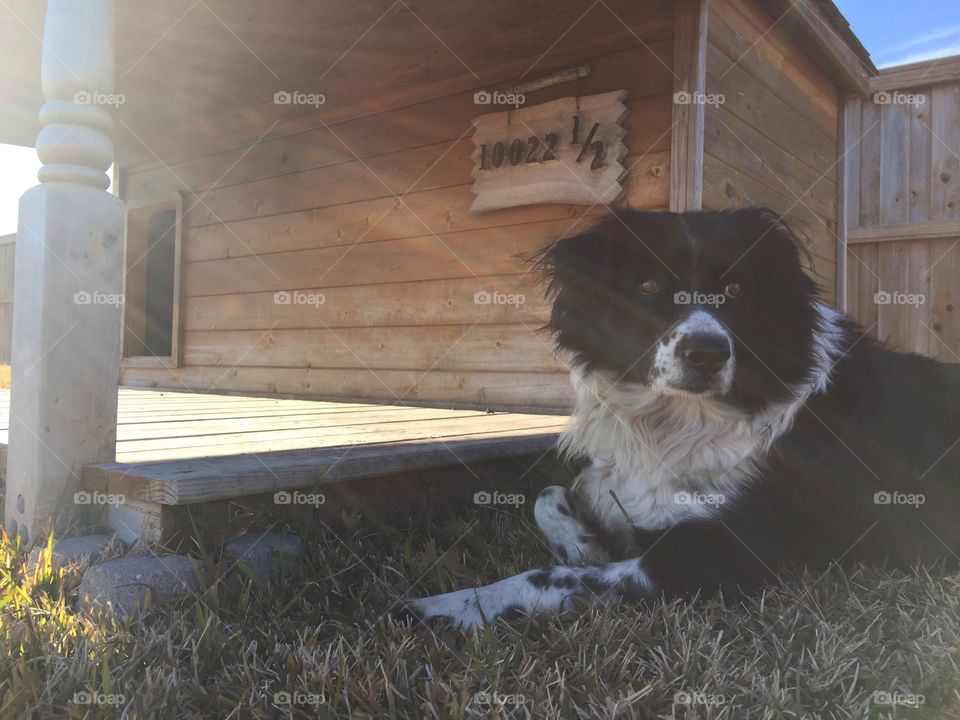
4	377
813	648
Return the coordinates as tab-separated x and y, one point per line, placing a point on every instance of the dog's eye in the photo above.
648	287
732	290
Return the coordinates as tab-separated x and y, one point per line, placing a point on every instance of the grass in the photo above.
4	377
815	647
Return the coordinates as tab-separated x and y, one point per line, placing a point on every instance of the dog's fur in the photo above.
744	433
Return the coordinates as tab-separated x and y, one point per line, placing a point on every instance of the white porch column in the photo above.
69	274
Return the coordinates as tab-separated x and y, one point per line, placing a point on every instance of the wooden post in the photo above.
69	276
689	91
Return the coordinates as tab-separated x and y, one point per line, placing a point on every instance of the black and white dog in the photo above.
736	428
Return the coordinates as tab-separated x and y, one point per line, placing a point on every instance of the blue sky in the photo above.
905	31
894	31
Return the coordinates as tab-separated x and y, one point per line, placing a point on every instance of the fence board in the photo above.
906	245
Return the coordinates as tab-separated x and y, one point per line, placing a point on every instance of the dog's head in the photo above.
711	304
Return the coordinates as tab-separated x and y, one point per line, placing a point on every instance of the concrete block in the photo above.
125	584
270	557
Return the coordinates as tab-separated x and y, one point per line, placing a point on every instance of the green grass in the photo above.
816	647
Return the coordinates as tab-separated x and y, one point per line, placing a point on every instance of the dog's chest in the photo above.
657	463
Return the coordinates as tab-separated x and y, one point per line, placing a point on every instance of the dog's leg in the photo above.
566	528
548	591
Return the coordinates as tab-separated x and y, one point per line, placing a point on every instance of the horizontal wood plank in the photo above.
501	390
904	231
477	348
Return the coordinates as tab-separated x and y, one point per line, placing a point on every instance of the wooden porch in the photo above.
180	448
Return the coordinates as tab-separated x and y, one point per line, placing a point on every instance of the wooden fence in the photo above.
7	247
901	198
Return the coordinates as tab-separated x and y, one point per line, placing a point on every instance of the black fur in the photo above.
888	422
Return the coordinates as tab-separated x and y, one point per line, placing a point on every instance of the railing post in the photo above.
69	277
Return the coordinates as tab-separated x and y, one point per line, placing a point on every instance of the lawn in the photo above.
873	644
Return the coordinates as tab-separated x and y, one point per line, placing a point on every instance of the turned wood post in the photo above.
69	277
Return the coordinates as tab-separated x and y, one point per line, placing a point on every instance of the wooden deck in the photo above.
175	448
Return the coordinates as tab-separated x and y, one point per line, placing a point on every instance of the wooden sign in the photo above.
563	151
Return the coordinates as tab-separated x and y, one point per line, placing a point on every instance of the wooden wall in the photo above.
904	219
372	214
7	248
773	138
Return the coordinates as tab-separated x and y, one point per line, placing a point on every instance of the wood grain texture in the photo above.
438	119
481	390
689	89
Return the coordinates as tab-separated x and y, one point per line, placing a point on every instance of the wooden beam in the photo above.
908	231
920	74
689	93
848	187
193	480
69	273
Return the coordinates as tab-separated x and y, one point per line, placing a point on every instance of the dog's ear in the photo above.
776	228
580	259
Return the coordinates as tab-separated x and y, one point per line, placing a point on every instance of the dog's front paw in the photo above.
460	609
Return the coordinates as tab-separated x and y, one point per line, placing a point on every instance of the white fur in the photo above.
668	370
649	448
565	534
466	608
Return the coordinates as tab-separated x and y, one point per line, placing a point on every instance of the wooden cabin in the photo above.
322	210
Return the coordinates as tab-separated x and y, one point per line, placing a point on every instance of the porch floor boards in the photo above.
176	448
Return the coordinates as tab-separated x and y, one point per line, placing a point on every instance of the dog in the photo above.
735	427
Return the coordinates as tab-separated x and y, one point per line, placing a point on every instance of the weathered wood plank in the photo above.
690	77
566	36
424	302
451	255
944	299
945	161
894	164
752	39
514	348
440	119
192	481
742	147
870	153
501	390
768	114
920	74
823	35
264	441
848	197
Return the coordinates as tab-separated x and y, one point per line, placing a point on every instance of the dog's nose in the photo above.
706	352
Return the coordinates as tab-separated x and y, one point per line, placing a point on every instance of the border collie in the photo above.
735	427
